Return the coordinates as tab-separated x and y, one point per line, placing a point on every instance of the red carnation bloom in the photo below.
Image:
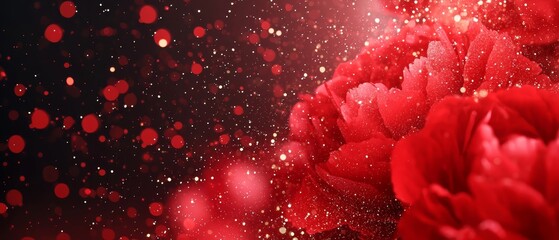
482	169
527	21
532	24
345	146
345	133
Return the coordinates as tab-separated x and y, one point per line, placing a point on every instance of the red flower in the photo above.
340	134
482	169
527	21
346	131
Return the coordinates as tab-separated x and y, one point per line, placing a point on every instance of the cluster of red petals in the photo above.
344	176
532	24
346	131
527	21
482	169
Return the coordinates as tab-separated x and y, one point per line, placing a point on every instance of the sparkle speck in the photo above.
162	43
457	18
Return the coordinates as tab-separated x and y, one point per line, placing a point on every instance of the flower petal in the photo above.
434	155
366	162
444	72
516	206
360	112
402	111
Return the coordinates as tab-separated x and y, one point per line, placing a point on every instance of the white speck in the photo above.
163	43
457	18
